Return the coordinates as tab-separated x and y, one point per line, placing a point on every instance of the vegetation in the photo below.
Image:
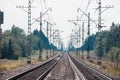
7	64
91	39
14	43
110	42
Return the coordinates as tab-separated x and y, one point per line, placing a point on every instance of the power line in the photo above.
41	5
45	4
49	9
89	1
87	15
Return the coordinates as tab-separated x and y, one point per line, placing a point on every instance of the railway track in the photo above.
78	74
37	73
89	72
65	70
81	70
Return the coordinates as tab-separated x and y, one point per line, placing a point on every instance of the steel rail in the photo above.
92	69
75	69
48	70
17	76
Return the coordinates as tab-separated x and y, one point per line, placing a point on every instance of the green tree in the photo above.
114	55
113	38
14	50
4	50
15	43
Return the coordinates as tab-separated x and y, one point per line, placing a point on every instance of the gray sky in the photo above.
62	10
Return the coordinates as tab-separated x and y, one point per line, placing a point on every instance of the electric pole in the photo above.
47	45
40	47
82	39
88	33
29	30
50	41
79	40
29	33
88	47
54	37
53	43
1	22
78	34
100	49
47	30
0	43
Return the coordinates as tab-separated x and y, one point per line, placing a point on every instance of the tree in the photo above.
12	43
91	44
15	43
114	55
45	41
17	32
14	50
113	38
4	50
24	48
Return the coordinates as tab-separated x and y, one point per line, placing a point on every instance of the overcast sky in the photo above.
62	10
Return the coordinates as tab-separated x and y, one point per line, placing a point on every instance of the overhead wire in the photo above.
96	8
97	2
41	6
88	4
45	4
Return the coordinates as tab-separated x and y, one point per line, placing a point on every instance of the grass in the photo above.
108	67
11	64
6	64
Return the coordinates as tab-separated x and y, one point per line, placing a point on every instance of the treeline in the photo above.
91	43
14	43
110	43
